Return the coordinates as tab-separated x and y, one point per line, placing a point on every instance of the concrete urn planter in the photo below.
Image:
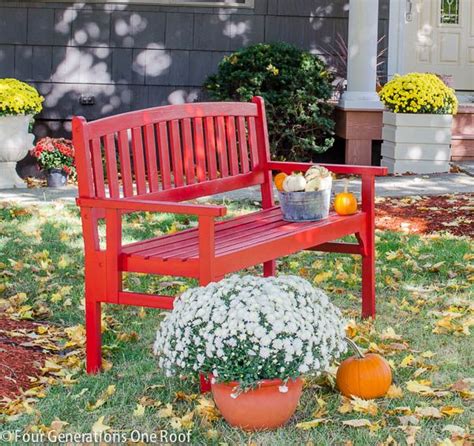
15	141
418	143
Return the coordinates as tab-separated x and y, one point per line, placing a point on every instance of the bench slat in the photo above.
199	150
98	168
243	148
188	151
138	160
210	147
252	137
111	166
125	163
164	154
221	147
232	145
150	157
176	154
225	234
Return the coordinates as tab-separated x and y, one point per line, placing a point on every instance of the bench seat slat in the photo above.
233	236
225	234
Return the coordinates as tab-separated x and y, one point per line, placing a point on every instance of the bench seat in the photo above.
240	242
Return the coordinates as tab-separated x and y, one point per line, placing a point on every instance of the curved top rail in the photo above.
155	115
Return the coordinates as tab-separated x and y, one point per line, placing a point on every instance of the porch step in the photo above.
462	147
462	143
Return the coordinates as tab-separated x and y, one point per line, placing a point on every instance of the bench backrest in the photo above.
174	153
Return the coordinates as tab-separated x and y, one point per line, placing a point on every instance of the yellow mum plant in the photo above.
419	93
18	98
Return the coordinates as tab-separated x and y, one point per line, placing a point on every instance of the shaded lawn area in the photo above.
424	289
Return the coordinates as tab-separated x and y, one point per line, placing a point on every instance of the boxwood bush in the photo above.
296	86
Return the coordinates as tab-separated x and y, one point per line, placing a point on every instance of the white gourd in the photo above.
318	178
294	183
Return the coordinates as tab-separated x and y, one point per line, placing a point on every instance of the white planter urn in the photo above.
15	142
417	143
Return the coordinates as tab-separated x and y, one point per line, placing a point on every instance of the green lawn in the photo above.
424	308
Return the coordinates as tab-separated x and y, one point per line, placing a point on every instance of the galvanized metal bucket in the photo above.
305	206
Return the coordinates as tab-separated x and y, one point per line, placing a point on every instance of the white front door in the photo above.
439	38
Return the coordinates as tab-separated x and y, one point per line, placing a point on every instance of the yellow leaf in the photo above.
100	402
305	425
407	361
360	422
207	409
394	392
166	412
99	426
322	276
419	387
451	410
428	354
345	407
139	411
364	406
110	390
389	333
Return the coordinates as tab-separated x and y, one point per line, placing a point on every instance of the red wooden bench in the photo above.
153	160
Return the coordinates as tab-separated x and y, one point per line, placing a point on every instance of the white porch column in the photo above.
362	56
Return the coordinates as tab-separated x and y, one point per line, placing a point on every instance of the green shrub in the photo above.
296	86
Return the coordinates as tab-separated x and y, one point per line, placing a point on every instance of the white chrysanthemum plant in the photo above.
248	329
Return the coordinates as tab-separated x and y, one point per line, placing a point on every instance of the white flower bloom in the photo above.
276	323
283	389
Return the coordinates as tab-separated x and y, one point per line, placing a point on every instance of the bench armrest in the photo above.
130	204
288	167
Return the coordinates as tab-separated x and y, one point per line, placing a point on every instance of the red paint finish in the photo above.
157	158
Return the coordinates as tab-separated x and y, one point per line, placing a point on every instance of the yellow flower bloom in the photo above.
18	98
419	93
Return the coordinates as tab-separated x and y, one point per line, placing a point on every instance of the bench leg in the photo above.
205	383
93	337
368	282
269	268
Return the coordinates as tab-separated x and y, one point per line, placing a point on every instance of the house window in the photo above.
449	12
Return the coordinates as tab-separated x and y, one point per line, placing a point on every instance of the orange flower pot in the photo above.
258	409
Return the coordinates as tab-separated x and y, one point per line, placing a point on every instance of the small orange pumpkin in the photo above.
345	202
365	376
278	180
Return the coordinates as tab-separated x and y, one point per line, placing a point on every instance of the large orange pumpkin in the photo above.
365	376
345	202
278	180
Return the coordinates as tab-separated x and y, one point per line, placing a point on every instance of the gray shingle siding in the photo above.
136	56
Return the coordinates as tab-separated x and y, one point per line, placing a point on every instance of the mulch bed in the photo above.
17	363
427	215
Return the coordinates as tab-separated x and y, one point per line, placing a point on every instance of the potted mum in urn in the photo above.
254	338
19	102
56	158
417	123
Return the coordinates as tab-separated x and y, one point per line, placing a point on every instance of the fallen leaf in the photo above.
99	426
451	410
394	392
166	412
359	422
139	411
305	425
407	361
364	406
428	412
